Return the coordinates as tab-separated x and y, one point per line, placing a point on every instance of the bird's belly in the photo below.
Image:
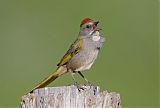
84	67
83	60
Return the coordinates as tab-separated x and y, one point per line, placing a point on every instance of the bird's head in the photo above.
87	26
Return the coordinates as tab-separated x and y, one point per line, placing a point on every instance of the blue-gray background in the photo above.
34	35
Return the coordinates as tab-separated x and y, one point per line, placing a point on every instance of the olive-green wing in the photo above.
74	49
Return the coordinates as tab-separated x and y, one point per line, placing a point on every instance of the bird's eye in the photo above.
87	26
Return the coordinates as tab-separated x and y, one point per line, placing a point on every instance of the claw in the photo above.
88	83
79	87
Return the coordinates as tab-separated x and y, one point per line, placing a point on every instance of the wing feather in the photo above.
73	50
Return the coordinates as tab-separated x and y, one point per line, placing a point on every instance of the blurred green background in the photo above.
35	34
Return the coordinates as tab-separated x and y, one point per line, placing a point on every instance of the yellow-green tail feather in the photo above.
59	71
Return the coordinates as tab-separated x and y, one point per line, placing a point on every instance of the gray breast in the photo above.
87	55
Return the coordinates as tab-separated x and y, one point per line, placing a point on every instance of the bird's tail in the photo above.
59	71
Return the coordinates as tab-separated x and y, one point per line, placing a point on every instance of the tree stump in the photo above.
71	97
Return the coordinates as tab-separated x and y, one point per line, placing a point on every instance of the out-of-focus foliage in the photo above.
35	34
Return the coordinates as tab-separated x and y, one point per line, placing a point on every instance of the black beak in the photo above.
95	23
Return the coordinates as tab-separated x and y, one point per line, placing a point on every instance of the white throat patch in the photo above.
96	36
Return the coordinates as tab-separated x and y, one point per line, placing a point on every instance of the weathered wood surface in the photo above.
70	97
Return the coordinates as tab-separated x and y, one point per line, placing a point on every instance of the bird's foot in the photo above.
79	87
88	83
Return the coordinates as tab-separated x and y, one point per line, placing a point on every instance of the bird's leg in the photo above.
83	76
75	82
73	78
87	82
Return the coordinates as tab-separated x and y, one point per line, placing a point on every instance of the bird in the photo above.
81	54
